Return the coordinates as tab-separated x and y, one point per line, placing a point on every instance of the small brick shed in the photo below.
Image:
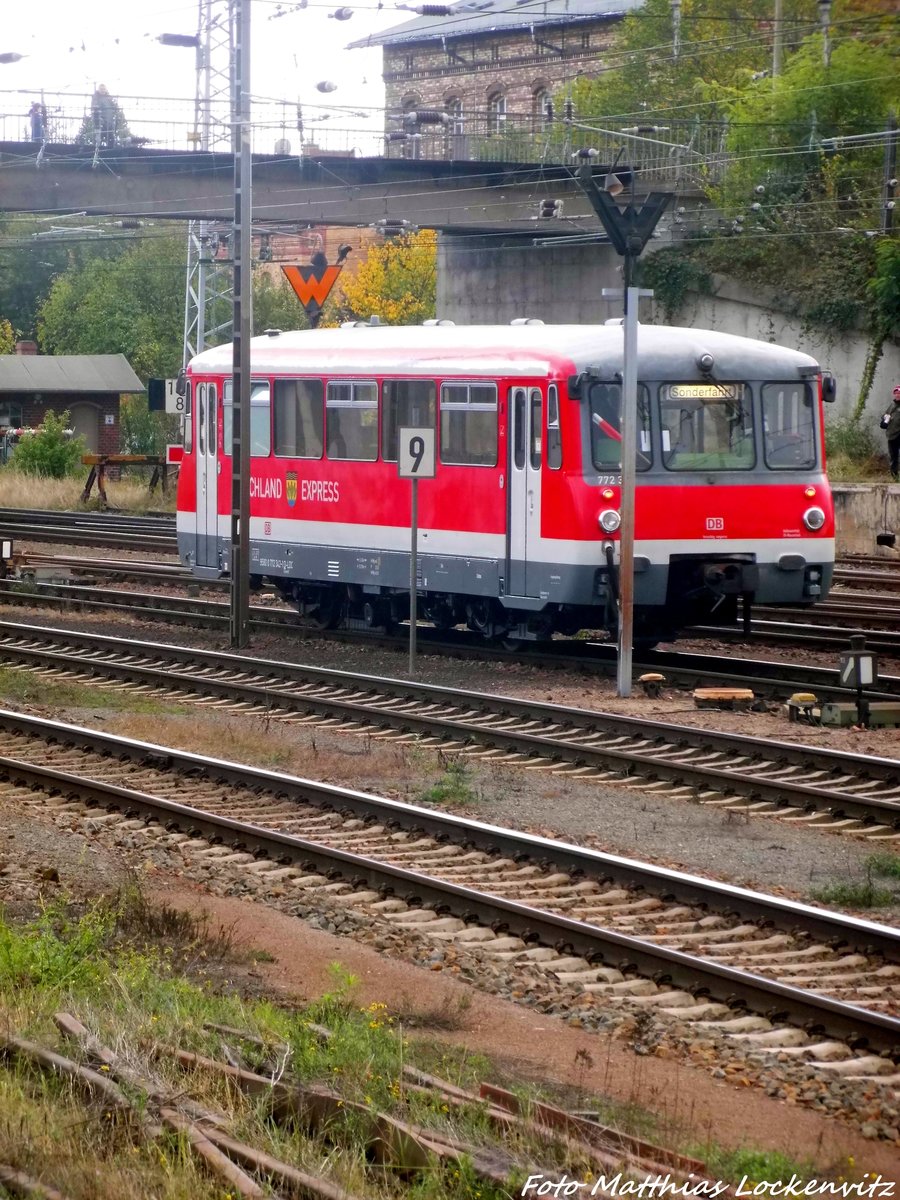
89	386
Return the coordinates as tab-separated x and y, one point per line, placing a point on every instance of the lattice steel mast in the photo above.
209	290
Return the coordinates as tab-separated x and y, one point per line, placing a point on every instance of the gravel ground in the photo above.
449	997
761	853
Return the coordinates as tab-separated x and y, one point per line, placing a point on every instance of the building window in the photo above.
585	41
409	62
541	110
496	113
454	109
10	415
495	53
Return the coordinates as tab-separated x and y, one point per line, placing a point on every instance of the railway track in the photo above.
772	679
810	627
593	931
113	530
812	786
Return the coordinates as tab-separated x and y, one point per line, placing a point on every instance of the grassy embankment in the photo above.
141	978
131	494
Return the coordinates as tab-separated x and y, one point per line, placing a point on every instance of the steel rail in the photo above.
795	633
687	669
681	886
814	1012
559	741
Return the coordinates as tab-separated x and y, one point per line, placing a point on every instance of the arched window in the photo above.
541	110
454	109
496	113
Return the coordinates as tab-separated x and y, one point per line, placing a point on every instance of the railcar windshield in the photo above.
789	426
605	401
707	427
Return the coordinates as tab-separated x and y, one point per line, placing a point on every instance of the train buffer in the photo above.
99	463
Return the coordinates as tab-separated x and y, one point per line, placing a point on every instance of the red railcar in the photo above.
518	529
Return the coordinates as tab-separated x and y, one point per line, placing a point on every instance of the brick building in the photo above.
87	386
486	81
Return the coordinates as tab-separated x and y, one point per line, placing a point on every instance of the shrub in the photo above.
849	437
50	451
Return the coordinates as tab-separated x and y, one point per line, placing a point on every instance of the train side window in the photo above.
789	426
299	417
469	424
351	420
211	423
227	414
201	418
518	408
404	402
188	421
260	420
535	403
554	438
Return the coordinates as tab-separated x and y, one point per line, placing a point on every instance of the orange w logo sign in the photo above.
312	285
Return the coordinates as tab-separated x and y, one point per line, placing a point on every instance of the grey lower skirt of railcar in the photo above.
547	583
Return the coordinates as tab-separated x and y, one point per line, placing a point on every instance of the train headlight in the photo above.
814	518
609	520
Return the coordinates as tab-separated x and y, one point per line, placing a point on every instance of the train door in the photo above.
523	519
206	406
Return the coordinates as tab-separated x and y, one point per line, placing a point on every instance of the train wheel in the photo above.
514	645
327	613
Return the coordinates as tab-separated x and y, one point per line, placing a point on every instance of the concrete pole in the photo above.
413	576
629	455
778	38
243	325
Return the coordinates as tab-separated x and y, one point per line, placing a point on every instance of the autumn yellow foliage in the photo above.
7	337
396	282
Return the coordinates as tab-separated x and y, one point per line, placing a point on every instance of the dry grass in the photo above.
357	762
131	494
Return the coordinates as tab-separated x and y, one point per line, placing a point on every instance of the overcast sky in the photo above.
73	46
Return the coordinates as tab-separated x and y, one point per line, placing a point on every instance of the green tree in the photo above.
49	452
33	252
131	305
723	44
397	282
275	304
105	124
784	137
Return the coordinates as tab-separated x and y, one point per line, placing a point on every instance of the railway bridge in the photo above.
498	257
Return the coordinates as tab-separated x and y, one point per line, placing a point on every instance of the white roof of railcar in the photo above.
664	352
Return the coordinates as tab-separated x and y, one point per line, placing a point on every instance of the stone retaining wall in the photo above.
861	510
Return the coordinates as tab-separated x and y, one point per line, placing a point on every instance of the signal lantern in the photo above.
551	208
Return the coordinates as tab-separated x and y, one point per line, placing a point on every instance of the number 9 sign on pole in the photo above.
415	461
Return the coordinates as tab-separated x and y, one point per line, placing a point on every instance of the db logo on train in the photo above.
715	524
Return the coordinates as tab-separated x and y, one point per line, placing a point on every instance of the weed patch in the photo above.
885	864
454	787
863	893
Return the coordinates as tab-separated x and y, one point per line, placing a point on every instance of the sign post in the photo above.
415	461
859	669
629	447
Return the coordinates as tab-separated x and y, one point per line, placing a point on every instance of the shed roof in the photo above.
475	17
67	373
